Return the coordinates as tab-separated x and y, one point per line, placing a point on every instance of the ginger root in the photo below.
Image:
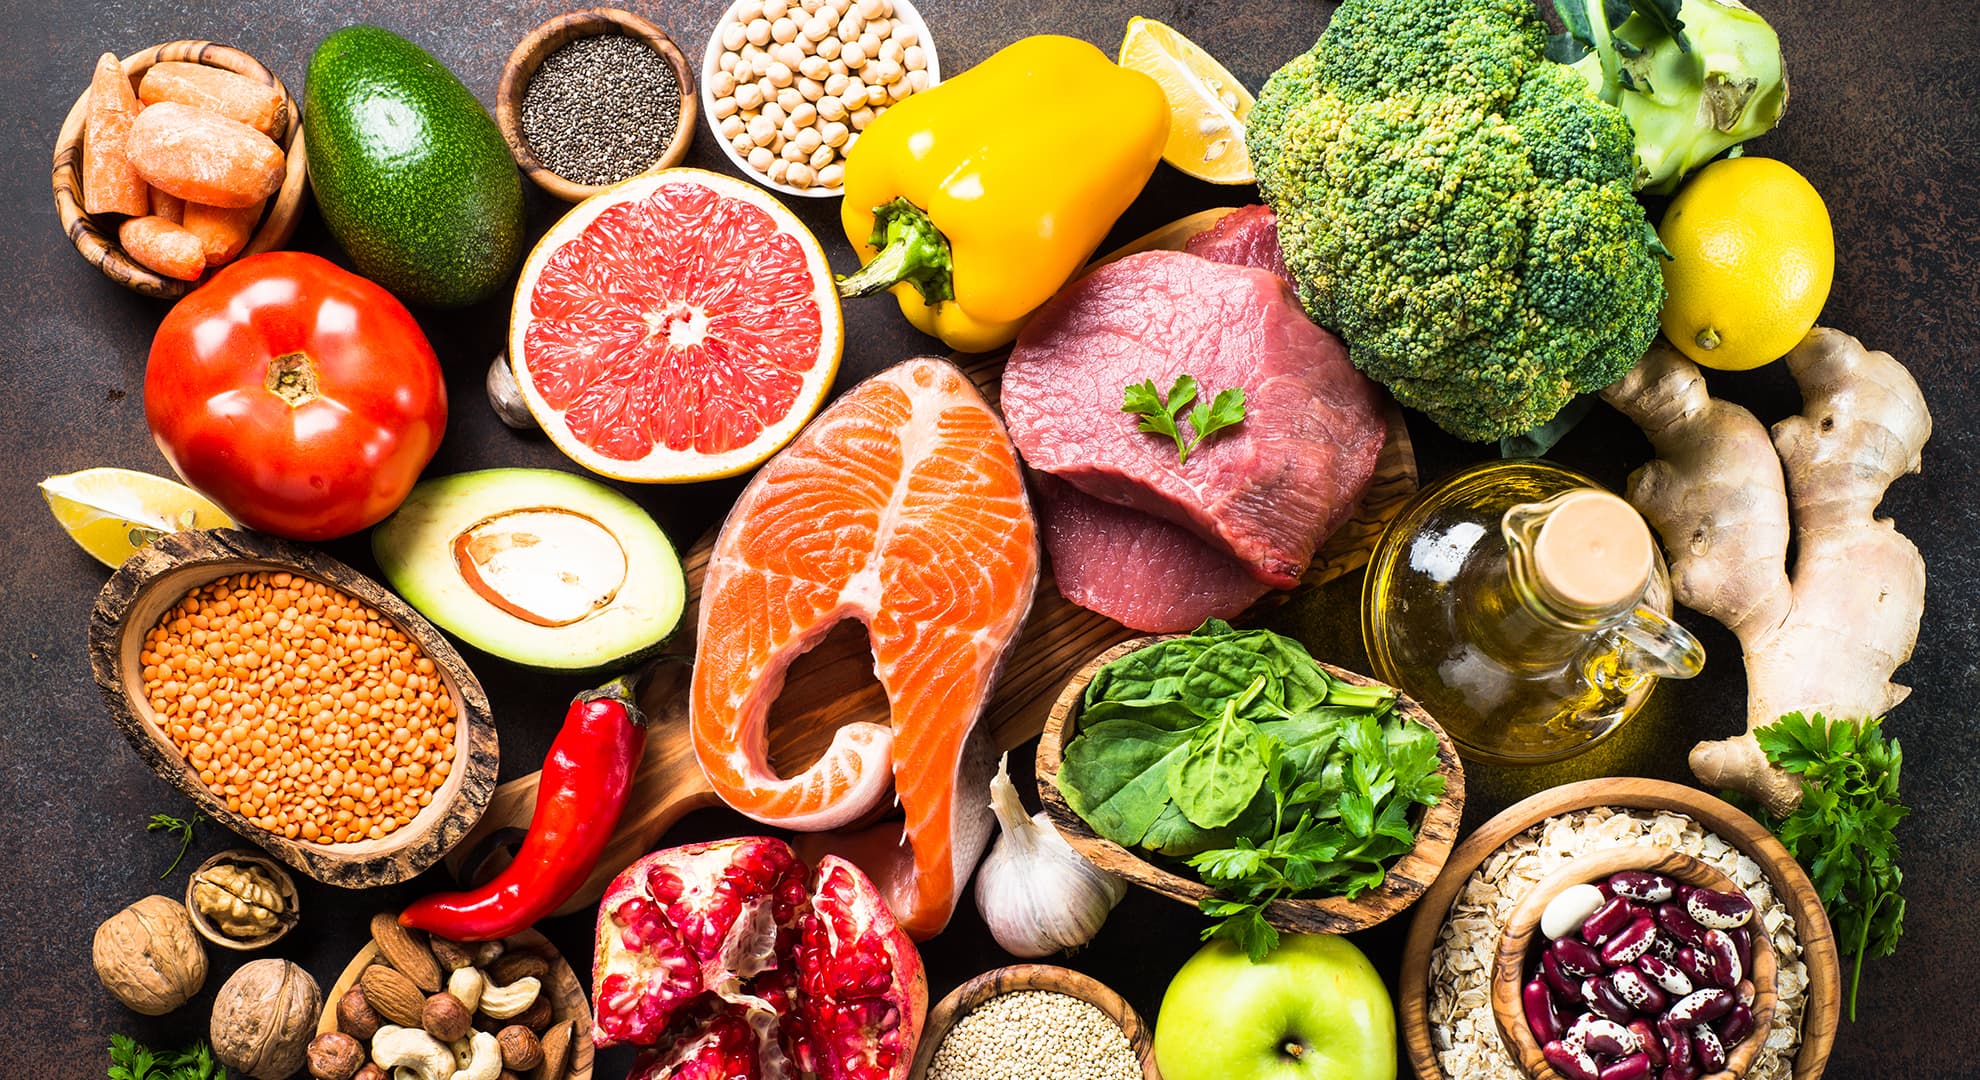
1722	495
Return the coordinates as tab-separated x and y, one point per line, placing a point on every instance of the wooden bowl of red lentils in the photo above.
296	701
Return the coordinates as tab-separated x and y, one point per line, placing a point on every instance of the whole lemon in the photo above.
1752	258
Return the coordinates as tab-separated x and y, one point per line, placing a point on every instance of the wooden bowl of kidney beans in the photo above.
1634	963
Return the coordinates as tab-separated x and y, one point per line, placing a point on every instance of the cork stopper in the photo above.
1594	552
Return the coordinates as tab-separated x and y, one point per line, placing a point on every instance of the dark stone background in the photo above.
1883	121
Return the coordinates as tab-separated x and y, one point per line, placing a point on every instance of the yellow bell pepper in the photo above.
975	200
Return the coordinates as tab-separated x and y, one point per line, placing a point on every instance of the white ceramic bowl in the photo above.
712	55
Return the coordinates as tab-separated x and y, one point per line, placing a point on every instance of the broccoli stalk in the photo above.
1694	77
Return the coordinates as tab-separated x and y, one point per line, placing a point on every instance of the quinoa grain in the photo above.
1035	1035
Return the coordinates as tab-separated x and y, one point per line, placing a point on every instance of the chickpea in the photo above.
854	55
772	112
831	175
804	115
899	90
792	154
817	28
823	156
830	47
776	9
836	84
905	34
790	56
876	94
810	90
913	58
890	51
749	10
760	158
758	32
799	175
789	98
761	129
860	118
779	75
778	170
918	79
813	67
723	84
749	97
869	43
834	134
725	107
831	108
875	9
733	36
783	30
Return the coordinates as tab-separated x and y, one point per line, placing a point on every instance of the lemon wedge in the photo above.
1207	104
112	513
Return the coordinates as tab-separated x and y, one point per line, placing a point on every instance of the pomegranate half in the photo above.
731	962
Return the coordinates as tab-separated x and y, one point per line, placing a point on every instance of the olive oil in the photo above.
1526	608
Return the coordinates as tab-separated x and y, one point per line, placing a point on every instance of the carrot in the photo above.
168	206
224	231
111	184
203	157
164	247
232	95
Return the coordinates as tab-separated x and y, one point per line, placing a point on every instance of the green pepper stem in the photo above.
912	249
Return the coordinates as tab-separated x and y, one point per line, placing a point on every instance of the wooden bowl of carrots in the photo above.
227	234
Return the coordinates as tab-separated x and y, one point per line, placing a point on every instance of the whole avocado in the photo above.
410	173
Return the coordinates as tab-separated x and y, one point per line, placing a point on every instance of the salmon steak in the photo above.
902	506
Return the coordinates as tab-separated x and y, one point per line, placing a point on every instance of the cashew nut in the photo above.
466	984
504	1002
402	1051
484	1059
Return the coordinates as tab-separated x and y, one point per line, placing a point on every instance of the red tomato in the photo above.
300	397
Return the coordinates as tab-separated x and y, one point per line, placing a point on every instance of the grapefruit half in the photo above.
680	326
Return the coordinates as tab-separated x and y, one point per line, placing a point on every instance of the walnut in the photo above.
263	1019
334	1055
149	956
241	900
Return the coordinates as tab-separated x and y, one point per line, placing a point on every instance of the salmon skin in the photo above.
902	506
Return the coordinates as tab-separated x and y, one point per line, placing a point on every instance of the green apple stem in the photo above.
1294	1050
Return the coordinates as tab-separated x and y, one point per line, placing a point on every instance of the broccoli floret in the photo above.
1459	210
1694	77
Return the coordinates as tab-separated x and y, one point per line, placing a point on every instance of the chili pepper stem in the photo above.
625	691
912	249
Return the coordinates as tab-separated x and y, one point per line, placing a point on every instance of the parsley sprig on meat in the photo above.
1236	752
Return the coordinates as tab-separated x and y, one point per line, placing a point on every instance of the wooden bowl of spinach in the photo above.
1231	770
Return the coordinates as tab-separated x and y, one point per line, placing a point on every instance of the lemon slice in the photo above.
112	513
1207	104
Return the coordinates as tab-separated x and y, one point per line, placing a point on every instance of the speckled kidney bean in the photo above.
1665	948
1693	964
1745	992
1637	988
1736	1025
1633	1067
1701	1006
1672	917
1665	974
1718	910
1614	914
1706	1048
1632	942
1574	1066
1677	1045
1602	999
1566	988
1643	886
1688	1071
1577	958
1647	1040
1541	1015
1743	941
1603	1038
1721	959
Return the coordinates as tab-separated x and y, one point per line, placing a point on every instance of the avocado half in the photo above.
537	566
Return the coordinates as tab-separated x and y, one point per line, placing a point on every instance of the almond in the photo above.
556	1049
407	954
392	995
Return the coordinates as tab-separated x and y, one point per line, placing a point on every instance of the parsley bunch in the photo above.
130	1060
1843	831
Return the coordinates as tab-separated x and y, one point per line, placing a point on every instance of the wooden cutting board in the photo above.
834	683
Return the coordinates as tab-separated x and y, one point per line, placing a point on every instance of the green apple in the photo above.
1312	1010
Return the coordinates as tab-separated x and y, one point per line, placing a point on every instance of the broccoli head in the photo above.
1460	210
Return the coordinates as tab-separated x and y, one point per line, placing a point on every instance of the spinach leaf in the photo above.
1217	775
1228	675
1115	776
1167	715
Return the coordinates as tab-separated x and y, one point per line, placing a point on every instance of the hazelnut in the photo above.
520	1050
334	1055
372	1072
149	956
518	965
445	1018
355	1016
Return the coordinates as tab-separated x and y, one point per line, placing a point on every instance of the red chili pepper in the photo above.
585	781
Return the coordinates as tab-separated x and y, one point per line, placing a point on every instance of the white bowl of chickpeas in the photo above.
788	85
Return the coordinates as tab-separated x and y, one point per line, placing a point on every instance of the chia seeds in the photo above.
601	109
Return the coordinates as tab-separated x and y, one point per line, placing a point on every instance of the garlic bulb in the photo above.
1033	890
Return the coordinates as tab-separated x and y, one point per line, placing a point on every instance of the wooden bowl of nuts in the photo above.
407	999
295	701
96	235
1014	1012
1628	958
566	112
809	74
242	900
1405	880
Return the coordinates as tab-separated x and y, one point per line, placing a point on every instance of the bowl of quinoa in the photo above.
1034	1022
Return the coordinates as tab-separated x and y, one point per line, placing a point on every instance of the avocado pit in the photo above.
543	564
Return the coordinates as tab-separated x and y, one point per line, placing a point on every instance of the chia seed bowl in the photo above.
581	114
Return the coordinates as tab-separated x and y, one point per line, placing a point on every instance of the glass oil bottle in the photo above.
1526	607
